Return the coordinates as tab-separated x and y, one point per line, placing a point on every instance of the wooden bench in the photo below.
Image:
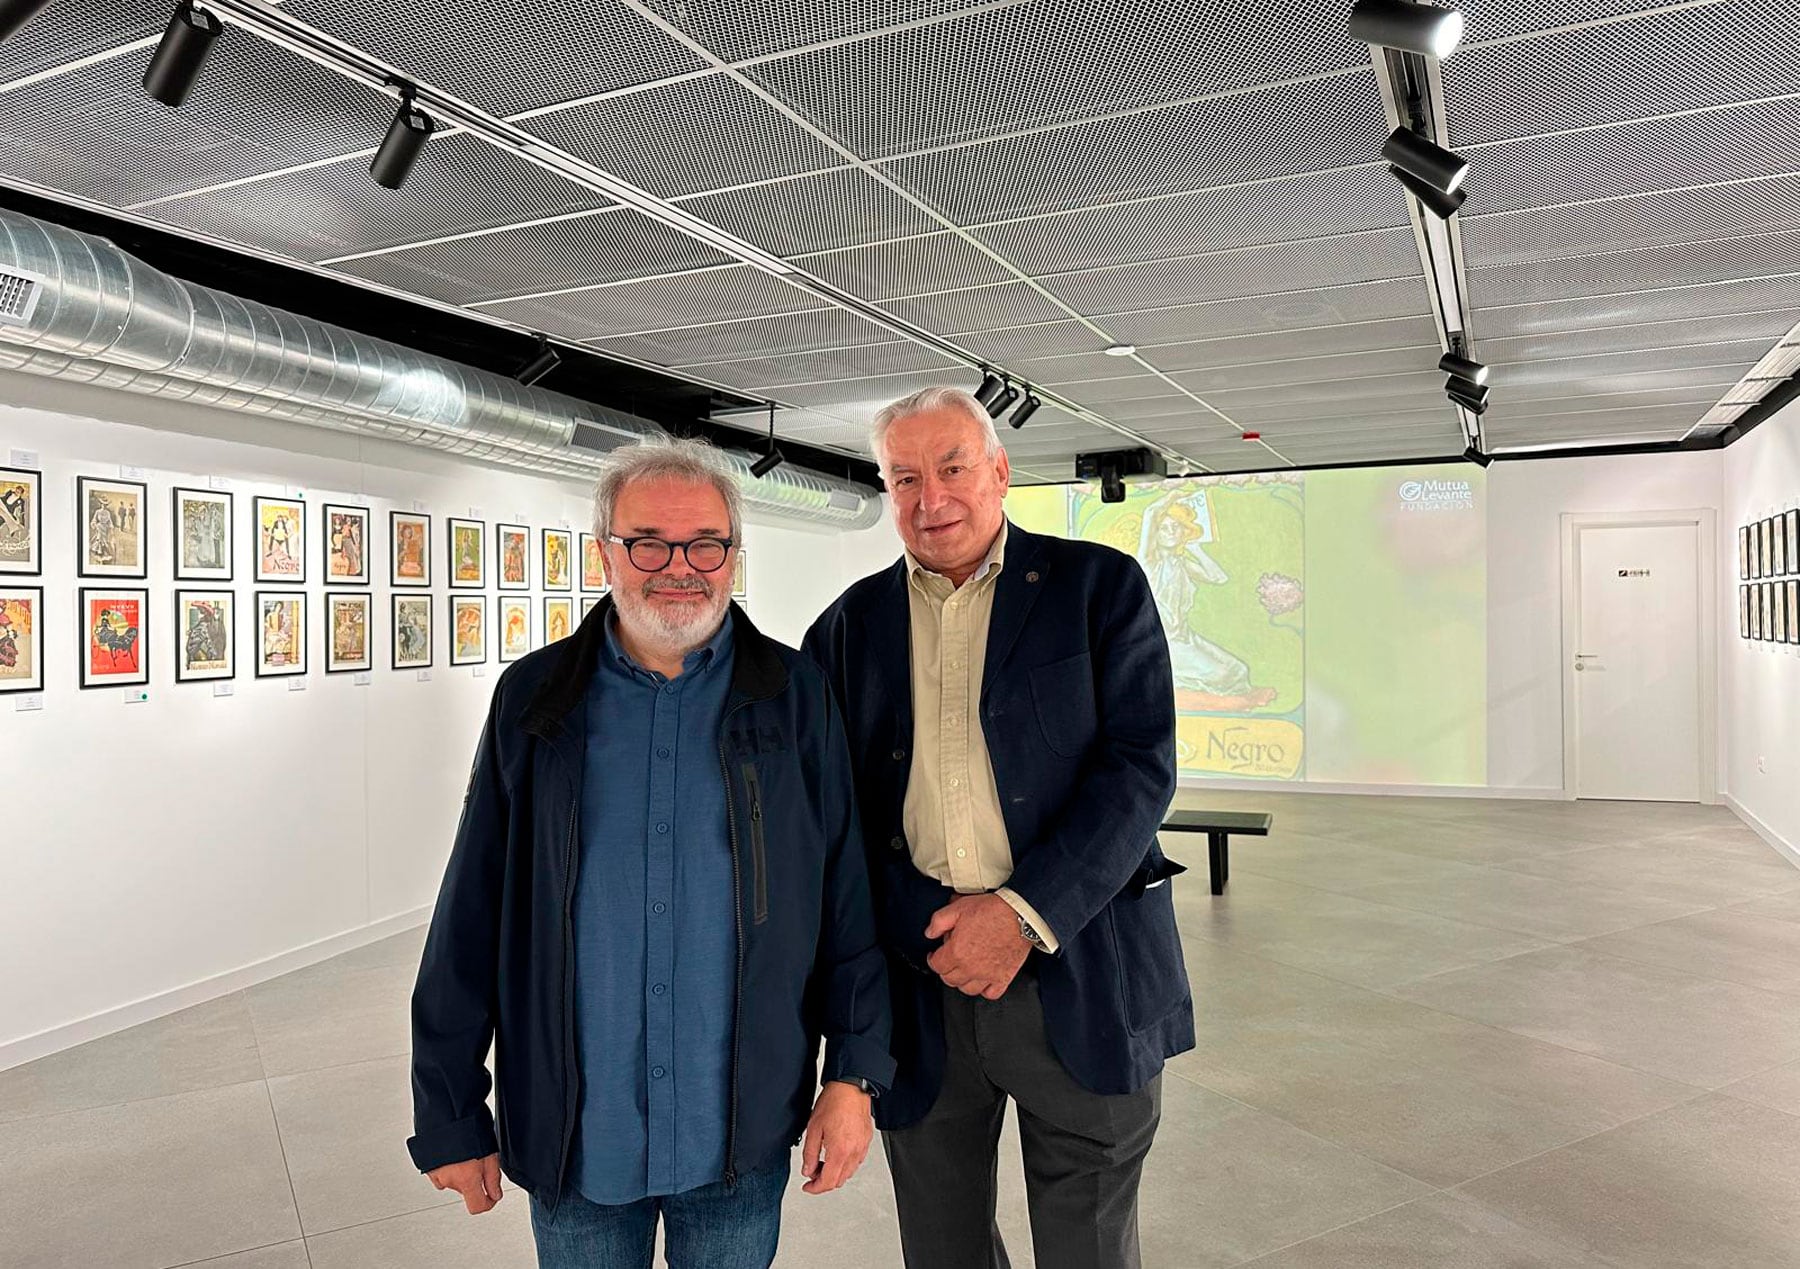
1218	827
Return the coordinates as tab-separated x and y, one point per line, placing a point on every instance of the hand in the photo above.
983	947
477	1180
837	1137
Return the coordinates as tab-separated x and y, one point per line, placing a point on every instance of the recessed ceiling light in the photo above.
1121	350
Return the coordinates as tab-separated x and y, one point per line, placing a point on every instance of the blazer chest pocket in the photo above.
1063	695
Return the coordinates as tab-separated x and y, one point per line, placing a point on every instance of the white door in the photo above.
1638	652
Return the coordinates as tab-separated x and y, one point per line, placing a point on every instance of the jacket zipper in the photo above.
569	1058
759	863
737	1004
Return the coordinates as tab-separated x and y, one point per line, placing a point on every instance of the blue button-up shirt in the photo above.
655	928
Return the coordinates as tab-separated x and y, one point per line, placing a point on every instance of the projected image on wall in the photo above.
1322	626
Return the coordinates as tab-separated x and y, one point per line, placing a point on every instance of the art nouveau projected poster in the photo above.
280	540
202	536
114	638
21	639
203	633
21	521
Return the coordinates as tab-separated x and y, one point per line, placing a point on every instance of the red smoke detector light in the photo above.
1251	436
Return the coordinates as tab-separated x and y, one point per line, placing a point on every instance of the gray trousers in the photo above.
1084	1152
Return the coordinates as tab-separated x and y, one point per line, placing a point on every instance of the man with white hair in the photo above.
656	908
1012	724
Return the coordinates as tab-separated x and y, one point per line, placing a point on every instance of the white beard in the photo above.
671	633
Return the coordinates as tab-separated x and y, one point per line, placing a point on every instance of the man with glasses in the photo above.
656	909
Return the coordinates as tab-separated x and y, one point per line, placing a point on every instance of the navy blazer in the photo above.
1077	704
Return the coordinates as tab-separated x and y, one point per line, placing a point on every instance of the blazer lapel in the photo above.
887	624
1015	592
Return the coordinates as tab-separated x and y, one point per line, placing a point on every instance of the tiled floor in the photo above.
1433	1033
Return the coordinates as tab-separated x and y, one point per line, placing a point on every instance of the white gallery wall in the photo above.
165	852
1760	693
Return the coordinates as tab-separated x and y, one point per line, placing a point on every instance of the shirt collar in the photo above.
992	564
699	660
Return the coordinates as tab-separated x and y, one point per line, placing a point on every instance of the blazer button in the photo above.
1031	576
898	844
899	755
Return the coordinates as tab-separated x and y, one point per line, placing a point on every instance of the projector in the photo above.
1116	468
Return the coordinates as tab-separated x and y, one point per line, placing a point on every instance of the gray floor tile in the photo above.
1353	940
403	948
441	1238
280	1256
1779	1088
1688	872
1697	1030
1712	1182
1726	943
208	1046
1559	911
1331	864
1437	1097
146	1184
1442	1231
1782	907
854	1226
344	1132
324	1016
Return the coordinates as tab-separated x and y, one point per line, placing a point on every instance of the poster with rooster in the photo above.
114	635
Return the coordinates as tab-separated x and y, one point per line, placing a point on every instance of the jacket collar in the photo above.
757	670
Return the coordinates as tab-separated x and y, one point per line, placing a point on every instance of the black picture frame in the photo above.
140	636
1778	537
260	575
394	657
567	585
351	599
583	541
183	673
457	603
1755	550
36	643
1768	546
501	531
30	519
183	571
423	520
1793	604
1778	605
1768	612
83	567
479	582
299	668
568	604
350	511
1743	552
1744	611
1792	517
508	602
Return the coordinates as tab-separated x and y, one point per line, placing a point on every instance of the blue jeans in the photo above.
708	1228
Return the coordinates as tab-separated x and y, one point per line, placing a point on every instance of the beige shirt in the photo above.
952	813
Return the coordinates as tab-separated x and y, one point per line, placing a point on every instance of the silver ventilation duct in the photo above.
73	306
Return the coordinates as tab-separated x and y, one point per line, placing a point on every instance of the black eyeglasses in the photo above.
652	555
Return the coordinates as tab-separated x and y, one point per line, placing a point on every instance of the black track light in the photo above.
405	140
1477	408
1476	456
1463	389
991	384
175	66
771	460
542	363
16	13
1004	402
1462	367
1441	204
1440	168
1415	28
1027	408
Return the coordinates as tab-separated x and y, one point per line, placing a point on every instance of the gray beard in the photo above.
664	634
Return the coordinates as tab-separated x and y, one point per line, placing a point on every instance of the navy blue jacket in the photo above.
1077	704
498	960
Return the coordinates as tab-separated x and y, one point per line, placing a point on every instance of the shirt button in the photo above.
663	752
658	990
956	784
659	908
656	1072
662	828
962	854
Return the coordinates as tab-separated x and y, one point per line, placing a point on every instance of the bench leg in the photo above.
1219	860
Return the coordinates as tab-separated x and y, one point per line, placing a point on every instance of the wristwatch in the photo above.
858	1081
1029	933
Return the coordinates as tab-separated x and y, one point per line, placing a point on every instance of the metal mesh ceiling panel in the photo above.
913	266
818	212
1605	370
1306	370
508	60
1281	132
1497	19
1695	399
859	399
1046	62
1318	341
705	295
608	246
753	337
1664	423
50	39
1011	304
1292	310
861	362
700	134
1647	268
460	184
1760	327
1756	295
1018	343
737	32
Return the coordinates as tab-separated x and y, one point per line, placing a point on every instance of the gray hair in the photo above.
666	458
929	401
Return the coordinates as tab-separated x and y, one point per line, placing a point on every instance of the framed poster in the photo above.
1744	611
515	627
1767	605
557	547
409	548
1778	528
468	629
512	557
559	618
280	633
1778	602
346	545
593	566
412	632
1793	607
1768	547
1793	539
280	525
347	633
1755	550
588	604
202	536
740	575
1743	551
115	636
468	566
110	527
205	646
21	521
21	638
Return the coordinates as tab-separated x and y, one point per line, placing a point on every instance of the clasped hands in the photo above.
983	945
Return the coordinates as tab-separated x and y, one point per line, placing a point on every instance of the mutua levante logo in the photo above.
1436	495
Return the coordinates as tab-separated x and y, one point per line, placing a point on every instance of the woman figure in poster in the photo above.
100	532
1206	675
346	545
278	546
